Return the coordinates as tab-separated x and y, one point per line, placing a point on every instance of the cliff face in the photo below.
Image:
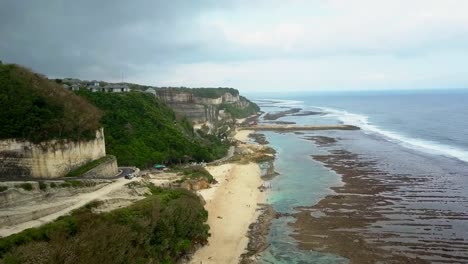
229	98
195	108
50	159
214	107
169	96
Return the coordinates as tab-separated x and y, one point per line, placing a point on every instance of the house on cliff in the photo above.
151	91
110	88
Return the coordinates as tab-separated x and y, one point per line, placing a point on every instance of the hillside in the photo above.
141	130
158	229
244	109
36	109
205	92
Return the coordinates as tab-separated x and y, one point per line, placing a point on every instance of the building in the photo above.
94	86
75	87
96	89
109	88
117	88
151	91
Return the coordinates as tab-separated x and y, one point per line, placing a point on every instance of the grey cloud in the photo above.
99	39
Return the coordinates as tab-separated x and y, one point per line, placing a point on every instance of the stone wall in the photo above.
106	169
50	159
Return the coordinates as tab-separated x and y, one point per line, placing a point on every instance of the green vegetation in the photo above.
239	112
88	166
26	186
37	109
53	185
141	131
76	184
42	186
158	229
3	188
205	92
195	172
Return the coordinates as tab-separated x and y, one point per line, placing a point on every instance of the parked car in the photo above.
129	176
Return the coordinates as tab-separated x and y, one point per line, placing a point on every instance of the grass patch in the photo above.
88	166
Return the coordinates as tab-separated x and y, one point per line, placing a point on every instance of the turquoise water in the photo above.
302	182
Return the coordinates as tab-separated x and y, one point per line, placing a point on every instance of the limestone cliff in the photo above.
49	159
200	108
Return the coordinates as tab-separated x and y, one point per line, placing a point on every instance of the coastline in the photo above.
233	205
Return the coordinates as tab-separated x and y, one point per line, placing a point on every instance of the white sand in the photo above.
243	135
231	206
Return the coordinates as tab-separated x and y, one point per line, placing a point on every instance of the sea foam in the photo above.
426	146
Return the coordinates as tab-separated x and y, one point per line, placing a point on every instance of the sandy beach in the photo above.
232	207
243	135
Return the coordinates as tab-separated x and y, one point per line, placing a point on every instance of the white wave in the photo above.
281	102
427	146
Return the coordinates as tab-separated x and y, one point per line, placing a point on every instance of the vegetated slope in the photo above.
141	130
204	92
238	111
159	229
36	109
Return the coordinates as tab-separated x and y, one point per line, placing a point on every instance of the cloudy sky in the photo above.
262	45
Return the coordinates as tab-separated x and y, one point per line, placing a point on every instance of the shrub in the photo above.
3	188
53	185
158	229
241	112
65	184
42	186
26	186
197	172
37	109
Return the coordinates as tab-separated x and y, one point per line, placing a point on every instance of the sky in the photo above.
254	46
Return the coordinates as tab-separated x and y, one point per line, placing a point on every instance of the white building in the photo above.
112	88
75	87
151	91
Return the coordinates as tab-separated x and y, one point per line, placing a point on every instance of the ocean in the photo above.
394	191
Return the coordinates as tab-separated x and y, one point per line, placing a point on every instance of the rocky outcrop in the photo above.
49	159
195	185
